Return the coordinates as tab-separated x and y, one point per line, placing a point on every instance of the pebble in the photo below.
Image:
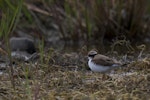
22	44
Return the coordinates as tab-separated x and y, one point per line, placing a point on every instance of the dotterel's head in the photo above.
91	54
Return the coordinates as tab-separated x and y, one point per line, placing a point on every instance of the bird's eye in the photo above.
92	55
108	60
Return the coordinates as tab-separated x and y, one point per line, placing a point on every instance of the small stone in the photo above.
22	44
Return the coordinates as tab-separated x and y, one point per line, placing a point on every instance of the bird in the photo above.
101	63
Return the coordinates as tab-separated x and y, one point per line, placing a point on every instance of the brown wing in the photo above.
104	60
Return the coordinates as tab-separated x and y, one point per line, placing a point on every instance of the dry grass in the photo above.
66	78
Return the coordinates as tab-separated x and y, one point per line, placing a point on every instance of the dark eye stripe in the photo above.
92	55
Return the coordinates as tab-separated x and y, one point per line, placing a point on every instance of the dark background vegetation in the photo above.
76	21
